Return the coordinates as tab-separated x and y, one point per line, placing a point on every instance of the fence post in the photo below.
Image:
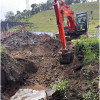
4	34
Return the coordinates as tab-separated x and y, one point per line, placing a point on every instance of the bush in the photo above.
92	93
89	49
64	88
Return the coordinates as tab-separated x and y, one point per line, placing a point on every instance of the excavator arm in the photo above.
59	18
72	29
60	10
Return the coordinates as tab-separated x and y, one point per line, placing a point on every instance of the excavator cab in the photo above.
80	26
81	23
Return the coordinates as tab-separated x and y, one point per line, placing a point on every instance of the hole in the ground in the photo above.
78	68
29	66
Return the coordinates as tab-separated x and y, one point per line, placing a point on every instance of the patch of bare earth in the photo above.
36	59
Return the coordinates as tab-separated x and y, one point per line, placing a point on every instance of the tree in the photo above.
83	1
76	1
9	16
50	1
43	7
37	9
29	13
24	11
49	5
69	2
33	6
18	12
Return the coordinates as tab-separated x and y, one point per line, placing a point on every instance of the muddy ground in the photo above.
32	59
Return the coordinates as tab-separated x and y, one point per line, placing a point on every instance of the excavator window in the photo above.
81	22
81	19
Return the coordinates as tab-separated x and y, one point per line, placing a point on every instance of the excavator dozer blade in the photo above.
67	58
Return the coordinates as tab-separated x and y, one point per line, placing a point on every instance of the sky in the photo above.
15	5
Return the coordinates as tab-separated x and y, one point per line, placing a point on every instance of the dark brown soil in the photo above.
36	59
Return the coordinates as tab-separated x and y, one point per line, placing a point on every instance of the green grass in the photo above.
92	93
92	25
2	49
88	48
90	6
45	21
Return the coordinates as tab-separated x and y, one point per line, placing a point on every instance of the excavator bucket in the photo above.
67	58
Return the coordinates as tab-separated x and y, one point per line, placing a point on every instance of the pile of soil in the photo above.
42	51
18	40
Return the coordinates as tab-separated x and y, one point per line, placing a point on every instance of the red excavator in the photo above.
68	27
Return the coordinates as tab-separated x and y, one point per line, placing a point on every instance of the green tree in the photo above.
33	6
9	16
76	1
83	1
69	2
18	12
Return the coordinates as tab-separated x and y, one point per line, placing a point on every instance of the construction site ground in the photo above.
33	61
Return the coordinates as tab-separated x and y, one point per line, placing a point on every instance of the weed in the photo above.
63	87
92	93
86	73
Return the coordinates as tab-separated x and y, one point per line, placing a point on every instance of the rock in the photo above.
11	70
41	95
49	93
29	94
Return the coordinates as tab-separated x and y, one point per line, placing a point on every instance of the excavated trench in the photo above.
32	59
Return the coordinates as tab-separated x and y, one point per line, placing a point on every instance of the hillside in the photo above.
46	21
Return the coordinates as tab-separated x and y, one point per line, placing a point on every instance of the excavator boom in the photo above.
59	19
60	12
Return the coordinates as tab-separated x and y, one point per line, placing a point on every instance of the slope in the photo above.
45	21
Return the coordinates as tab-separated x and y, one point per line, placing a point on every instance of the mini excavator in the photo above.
68	27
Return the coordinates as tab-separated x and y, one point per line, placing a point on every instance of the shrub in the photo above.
63	87
89	49
92	93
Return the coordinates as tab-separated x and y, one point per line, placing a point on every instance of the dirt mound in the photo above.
18	40
42	51
12	71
